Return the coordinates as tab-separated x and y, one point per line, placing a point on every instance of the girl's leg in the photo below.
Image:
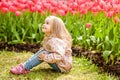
55	67
33	61
29	64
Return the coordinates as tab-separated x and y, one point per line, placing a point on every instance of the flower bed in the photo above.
93	24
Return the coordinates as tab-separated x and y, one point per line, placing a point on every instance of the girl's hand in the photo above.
41	48
41	56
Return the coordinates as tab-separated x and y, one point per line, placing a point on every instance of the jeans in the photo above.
34	61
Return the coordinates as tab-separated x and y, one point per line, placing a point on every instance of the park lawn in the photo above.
82	69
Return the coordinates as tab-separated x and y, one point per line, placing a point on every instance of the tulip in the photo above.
54	3
83	11
15	3
116	19
4	4
43	13
110	13
32	9
12	8
38	8
22	1
64	7
88	25
4	9
17	13
22	6
47	6
75	5
30	3
61	12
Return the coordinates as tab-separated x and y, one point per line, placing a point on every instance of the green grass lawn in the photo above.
82	69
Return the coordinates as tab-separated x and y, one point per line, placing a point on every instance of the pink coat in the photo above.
59	54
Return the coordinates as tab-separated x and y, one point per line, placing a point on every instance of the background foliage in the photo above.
94	27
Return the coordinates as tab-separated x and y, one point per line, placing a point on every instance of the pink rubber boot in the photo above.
19	69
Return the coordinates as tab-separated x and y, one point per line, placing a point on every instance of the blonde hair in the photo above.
59	30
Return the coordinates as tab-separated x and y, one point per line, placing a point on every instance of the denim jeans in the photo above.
34	61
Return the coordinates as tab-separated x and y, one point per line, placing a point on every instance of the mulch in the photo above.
95	57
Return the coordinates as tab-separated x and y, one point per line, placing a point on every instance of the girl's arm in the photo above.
57	54
53	57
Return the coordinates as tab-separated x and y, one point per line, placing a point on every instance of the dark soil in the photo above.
19	47
96	57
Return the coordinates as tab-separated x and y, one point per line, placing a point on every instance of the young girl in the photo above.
56	49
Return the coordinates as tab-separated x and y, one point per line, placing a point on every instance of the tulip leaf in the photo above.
106	55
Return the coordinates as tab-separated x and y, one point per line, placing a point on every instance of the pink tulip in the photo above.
75	5
102	3
61	12
32	9
110	7
47	6
43	13
110	13
4	4
12	8
116	8
54	3
0	4
116	19
15	3
4	9
10	3
38	8
64	7
17	13
83	11
21	6
53	9
54	13
74	12
88	25
22	1
82	6
30	3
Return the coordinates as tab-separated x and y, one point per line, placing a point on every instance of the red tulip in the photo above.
88	25
17	13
